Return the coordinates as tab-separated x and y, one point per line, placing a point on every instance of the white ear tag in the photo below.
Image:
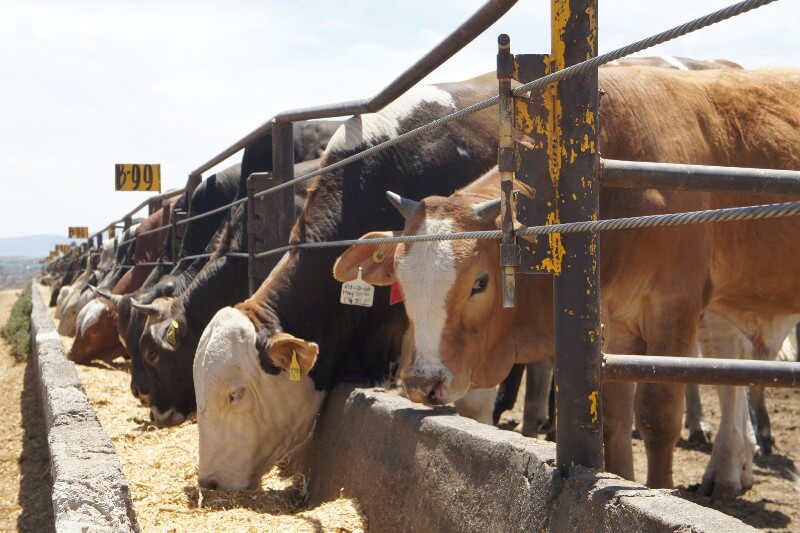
357	292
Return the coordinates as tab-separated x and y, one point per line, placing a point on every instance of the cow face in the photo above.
95	333
451	291
248	418
165	349
135	321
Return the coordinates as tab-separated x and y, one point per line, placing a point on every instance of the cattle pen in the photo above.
531	87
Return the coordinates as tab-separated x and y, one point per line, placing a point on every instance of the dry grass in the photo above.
161	467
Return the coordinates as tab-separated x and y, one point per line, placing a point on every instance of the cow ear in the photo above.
375	260
282	346
171	333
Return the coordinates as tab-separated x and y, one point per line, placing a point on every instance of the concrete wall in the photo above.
90	492
415	469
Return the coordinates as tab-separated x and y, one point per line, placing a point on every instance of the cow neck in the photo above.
300	295
223	280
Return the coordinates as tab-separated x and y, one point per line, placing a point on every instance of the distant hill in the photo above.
30	245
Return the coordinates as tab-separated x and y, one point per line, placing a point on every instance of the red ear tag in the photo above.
395	295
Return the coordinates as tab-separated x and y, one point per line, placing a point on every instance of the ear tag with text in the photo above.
294	368
172	332
396	294
357	292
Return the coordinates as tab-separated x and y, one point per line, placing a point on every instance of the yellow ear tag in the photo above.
171	334
294	368
378	257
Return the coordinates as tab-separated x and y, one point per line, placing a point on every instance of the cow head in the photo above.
134	317
166	353
95	333
249	418
452	294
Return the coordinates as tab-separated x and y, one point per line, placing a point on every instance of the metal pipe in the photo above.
709	371
464	34
576	288
678	177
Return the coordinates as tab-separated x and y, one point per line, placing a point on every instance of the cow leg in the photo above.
730	468
507	392
758	403
618	407
538	379
478	405
670	330
699	428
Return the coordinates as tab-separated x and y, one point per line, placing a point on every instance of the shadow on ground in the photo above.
35	485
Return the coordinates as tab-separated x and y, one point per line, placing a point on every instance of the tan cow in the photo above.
656	282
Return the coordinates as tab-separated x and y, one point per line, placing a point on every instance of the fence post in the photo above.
191	184
178	232
281	214
256	231
509	251
576	304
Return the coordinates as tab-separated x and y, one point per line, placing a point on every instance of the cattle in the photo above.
172	331
655	282
147	248
537	417
249	413
158	300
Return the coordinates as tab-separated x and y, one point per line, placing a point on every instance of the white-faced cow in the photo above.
656	282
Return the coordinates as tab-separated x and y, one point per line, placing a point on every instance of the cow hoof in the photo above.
719	490
766	444
700	436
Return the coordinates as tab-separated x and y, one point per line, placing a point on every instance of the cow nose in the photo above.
425	390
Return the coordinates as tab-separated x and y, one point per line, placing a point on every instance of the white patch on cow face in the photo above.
462	152
247	419
426	274
674	62
89	316
373	127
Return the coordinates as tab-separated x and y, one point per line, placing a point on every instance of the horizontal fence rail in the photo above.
679	177
707	371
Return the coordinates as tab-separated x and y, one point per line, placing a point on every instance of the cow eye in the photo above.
151	358
480	284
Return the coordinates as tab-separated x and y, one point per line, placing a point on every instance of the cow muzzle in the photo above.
168	418
423	389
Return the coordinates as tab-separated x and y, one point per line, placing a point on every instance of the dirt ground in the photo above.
24	464
161	467
773	504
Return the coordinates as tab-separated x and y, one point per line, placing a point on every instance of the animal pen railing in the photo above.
580	367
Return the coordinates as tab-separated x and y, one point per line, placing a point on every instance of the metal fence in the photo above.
580	367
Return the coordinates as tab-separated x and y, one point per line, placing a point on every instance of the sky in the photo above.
87	84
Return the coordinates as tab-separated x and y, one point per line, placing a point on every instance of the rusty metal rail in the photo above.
708	371
678	177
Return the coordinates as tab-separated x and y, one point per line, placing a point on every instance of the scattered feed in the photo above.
161	467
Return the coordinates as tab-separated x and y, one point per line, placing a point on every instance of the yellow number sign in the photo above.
131	177
78	232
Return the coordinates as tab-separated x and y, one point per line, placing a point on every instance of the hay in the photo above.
161	467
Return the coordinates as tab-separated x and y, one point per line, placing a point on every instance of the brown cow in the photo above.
656	282
96	331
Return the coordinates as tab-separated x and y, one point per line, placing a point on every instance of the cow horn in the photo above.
148	309
488	210
404	205
101	292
